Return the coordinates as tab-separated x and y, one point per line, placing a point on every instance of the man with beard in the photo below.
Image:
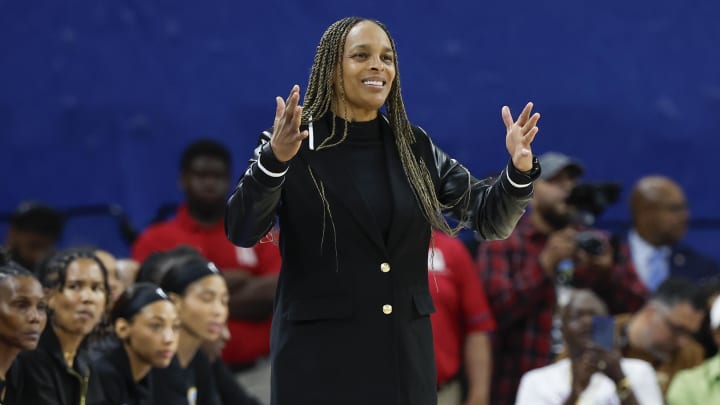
251	273
524	274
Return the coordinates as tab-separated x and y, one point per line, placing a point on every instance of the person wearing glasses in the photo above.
661	332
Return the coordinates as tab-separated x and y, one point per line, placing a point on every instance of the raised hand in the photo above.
287	137
520	135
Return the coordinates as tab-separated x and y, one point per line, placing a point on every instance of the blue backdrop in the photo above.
98	97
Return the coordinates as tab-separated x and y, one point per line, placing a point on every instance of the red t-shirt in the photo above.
249	340
460	303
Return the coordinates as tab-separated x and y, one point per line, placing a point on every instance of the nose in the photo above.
34	315
220	310
376	63
168	335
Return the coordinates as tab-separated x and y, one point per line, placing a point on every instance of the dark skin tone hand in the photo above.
596	359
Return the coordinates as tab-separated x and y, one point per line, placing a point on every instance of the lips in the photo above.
215	328
375	83
33	335
166	354
85	315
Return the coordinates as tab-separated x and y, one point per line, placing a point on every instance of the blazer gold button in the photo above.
385	267
387	309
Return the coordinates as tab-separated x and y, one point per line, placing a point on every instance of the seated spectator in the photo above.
59	368
146	323
22	319
460	325
200	296
699	385
33	233
591	374
523	274
661	332
660	218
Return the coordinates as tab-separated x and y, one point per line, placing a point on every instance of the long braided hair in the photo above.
318	100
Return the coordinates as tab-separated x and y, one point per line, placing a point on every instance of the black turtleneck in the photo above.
367	164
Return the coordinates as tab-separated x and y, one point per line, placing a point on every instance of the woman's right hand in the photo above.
287	137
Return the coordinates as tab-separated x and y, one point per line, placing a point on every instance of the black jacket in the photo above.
351	322
193	385
47	380
228	387
114	376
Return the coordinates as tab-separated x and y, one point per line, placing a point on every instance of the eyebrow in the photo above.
365	46
160	318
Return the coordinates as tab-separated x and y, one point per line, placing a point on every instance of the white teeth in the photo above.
373	82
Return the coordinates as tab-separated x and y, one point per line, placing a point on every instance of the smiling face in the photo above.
78	305
365	74
22	312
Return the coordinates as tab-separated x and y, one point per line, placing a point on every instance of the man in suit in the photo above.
660	218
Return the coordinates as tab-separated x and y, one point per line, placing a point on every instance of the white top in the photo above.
550	385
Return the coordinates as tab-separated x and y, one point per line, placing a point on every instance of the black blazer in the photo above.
687	262
47	380
351	322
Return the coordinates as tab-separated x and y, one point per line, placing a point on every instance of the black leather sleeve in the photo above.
250	210
491	206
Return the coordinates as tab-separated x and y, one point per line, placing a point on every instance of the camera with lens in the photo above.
590	200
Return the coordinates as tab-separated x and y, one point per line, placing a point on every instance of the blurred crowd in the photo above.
561	312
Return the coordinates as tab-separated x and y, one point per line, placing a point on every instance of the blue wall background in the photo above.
98	97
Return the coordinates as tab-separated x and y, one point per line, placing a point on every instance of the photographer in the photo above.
549	251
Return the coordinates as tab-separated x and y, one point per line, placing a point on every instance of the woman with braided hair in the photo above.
59	368
357	189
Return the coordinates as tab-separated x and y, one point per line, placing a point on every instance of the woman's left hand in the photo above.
520	135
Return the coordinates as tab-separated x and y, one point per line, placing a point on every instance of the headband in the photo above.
136	299
177	279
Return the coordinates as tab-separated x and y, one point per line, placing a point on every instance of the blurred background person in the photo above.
146	322
116	286
460	325
661	332
699	385
127	270
33	233
76	284
251	273
591	374
660	216
529	274
22	319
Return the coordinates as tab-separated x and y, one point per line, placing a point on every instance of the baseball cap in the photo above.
553	163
